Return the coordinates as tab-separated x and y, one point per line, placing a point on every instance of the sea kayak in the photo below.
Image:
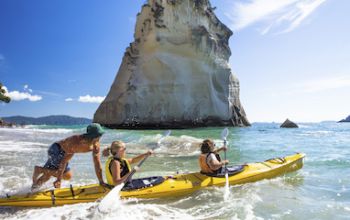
159	186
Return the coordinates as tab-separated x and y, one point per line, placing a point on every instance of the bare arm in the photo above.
140	157
97	161
115	170
214	164
224	148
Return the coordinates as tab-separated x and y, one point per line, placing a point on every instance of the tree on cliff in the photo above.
3	97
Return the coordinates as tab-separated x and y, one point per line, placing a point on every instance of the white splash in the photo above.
33	129
227	188
9	145
111	201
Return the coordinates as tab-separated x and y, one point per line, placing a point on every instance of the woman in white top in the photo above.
209	160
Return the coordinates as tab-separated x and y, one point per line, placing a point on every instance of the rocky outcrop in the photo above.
346	120
176	73
6	124
288	124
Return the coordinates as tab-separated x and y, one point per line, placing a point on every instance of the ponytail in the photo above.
113	149
106	152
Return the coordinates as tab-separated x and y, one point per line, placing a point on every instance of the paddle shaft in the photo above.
144	159
133	171
225	156
224	135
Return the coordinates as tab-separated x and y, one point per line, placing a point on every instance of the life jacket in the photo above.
124	167
205	168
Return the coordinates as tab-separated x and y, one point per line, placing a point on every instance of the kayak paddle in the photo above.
224	135
107	202
166	134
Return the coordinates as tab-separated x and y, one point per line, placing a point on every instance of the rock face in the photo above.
346	120
5	124
176	73
288	124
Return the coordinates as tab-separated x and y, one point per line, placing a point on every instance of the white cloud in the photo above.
281	15
48	93
26	88
336	82
19	96
91	99
69	100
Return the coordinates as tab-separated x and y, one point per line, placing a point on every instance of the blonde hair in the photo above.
113	149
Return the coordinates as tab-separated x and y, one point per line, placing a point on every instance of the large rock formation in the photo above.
346	119
176	72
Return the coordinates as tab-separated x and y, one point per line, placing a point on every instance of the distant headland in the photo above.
47	120
346	119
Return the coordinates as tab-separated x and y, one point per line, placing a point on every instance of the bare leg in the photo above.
37	171
44	178
47	173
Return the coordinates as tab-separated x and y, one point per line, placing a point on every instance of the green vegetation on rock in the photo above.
3	97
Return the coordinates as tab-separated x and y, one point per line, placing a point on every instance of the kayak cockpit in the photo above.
231	170
141	183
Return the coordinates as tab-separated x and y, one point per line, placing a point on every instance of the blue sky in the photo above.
291	56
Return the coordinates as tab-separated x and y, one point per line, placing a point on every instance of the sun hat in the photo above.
94	130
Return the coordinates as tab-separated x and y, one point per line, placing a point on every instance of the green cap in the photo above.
94	130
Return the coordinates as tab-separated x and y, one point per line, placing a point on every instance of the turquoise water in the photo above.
320	190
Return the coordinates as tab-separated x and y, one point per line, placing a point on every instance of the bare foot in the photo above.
35	187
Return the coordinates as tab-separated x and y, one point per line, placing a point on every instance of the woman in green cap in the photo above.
60	153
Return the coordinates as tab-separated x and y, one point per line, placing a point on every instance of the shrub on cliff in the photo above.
3	97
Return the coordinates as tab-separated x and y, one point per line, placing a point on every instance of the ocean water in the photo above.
320	190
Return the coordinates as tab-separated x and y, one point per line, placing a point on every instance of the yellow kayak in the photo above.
159	186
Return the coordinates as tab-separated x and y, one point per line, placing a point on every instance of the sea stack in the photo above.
289	124
176	72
